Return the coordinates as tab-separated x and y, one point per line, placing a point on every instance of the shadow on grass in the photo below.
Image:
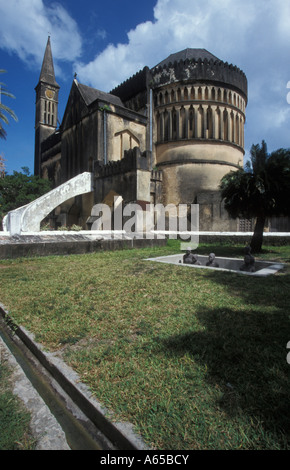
245	354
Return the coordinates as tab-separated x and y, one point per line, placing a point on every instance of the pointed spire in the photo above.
47	70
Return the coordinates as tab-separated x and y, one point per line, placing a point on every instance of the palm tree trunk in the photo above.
257	239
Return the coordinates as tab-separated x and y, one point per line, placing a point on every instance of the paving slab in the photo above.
45	429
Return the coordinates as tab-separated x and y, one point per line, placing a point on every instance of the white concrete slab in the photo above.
263	268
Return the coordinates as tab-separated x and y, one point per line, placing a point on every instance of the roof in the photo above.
92	94
188	54
47	70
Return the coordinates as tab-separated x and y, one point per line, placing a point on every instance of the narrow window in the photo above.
45	112
174	124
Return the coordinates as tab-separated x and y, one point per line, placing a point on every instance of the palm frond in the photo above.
5	109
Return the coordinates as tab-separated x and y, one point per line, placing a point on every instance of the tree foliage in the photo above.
2	167
261	190
4	110
19	189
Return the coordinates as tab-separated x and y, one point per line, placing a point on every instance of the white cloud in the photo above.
252	34
26	24
237	31
101	33
219	26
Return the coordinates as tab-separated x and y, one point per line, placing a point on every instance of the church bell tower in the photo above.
46	105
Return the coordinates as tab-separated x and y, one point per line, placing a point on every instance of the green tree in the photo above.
260	190
19	189
4	110
2	167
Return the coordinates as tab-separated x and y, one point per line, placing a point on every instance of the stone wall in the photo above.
129	177
63	247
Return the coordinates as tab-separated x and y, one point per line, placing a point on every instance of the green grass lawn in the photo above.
195	359
14	419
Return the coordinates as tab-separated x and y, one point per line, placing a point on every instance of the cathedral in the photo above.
166	135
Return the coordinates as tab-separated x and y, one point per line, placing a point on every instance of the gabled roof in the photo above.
83	97
47	70
92	94
187	54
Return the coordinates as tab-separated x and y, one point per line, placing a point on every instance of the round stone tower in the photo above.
199	117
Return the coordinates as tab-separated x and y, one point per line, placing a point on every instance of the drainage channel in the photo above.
81	434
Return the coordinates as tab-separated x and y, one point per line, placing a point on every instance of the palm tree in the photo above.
2	167
261	190
4	109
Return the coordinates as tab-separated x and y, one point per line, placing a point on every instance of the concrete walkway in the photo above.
44	427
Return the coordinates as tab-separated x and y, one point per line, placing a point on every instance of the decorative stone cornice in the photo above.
213	71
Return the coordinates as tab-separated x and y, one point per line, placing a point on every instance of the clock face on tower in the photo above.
49	94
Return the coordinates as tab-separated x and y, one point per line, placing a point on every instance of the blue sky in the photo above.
107	42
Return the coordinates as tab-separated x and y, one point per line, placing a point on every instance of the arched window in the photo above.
218	128
183	123
200	123
209	123
237	130
45	113
166	133
159	128
232	137
49	113
174	124
52	114
226	125
191	122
